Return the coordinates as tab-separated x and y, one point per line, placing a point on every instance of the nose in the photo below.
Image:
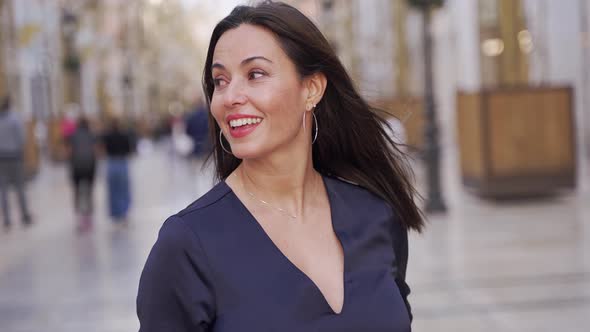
234	94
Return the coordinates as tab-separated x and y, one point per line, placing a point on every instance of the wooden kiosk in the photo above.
517	141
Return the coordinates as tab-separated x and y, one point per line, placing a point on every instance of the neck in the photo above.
283	181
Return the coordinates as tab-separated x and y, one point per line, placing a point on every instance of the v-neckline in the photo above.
290	263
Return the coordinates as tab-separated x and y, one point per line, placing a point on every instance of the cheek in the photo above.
217	110
284	115
285	106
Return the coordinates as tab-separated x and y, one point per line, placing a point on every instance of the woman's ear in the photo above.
316	86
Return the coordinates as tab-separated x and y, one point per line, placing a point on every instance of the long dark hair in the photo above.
353	142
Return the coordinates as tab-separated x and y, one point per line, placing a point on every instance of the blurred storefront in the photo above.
62	59
380	43
29	75
143	58
537	48
521	96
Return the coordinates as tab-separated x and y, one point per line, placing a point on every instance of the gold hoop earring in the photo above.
221	142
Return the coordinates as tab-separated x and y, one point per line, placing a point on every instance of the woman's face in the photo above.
259	98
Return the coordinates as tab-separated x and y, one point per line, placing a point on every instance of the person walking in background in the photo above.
67	124
12	144
67	127
197	128
82	153
118	147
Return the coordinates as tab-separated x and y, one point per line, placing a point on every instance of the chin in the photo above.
247	151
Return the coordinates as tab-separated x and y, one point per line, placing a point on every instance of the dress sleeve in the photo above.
400	247
175	291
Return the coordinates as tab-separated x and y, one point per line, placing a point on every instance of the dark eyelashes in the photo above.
251	76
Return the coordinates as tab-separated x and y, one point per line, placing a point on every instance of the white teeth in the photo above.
244	121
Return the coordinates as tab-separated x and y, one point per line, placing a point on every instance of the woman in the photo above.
118	146
284	242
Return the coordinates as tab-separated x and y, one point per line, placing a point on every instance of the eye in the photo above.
219	82
255	74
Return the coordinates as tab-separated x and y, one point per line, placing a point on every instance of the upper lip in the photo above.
239	116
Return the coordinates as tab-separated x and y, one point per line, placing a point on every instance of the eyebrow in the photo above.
244	62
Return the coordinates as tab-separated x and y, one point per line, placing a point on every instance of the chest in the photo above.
287	278
271	293
311	247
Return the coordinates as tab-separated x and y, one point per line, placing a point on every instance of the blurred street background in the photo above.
103	135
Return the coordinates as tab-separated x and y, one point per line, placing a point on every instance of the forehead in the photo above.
245	41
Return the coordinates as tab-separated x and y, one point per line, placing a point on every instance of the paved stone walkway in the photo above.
519	266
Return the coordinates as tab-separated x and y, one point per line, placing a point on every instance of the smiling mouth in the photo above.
238	123
242	127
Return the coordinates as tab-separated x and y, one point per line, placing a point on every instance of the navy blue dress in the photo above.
213	268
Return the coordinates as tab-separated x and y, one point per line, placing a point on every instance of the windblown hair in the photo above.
353	142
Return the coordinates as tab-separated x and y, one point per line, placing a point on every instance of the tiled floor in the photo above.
504	268
520	266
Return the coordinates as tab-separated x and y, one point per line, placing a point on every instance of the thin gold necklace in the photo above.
292	216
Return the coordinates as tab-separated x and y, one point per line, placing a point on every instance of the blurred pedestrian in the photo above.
118	146
82	152
197	129
67	124
12	145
